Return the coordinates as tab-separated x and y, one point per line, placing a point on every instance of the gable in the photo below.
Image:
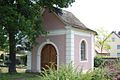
114	37
117	39
54	21
51	21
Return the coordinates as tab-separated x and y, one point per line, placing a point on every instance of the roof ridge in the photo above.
68	18
116	34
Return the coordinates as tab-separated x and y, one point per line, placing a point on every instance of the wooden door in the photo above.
48	57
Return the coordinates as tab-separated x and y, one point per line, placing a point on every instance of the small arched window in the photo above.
83	50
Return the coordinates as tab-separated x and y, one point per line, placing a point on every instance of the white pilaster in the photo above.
38	62
92	50
69	46
28	61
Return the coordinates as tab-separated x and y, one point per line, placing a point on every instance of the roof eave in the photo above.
87	29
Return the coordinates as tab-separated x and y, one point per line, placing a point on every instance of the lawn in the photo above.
64	73
20	75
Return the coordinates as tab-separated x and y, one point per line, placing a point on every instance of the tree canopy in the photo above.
22	19
101	39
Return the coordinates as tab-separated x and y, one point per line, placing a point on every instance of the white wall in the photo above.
114	50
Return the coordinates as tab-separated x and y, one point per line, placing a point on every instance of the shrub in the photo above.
100	74
18	61
2	56
24	60
65	73
69	73
98	61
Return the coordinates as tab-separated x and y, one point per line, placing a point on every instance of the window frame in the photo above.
118	46
113	39
86	51
118	53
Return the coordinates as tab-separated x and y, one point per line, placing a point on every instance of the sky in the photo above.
98	13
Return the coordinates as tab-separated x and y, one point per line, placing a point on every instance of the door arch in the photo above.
48	57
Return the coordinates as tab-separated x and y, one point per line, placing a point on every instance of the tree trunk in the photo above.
101	49
12	53
102	45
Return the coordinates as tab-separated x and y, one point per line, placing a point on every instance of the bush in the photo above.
69	73
24	60
98	61
65	73
100	74
2	56
18	61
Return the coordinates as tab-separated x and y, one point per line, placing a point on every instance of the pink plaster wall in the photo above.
58	40
51	21
85	65
34	59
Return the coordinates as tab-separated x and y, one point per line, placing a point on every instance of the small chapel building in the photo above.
68	41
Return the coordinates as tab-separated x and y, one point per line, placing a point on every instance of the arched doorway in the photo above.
48	57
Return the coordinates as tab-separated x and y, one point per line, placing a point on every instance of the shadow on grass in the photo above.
19	76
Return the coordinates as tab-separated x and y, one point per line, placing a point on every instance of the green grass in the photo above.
20	75
64	73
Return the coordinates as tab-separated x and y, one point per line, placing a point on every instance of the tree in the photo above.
101	39
22	18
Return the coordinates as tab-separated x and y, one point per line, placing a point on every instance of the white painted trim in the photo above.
83	31
80	31
82	34
39	54
86	51
57	32
29	57
92	51
69	46
64	31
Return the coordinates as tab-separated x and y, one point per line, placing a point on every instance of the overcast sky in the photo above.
98	13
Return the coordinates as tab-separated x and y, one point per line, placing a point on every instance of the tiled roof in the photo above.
99	50
69	19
